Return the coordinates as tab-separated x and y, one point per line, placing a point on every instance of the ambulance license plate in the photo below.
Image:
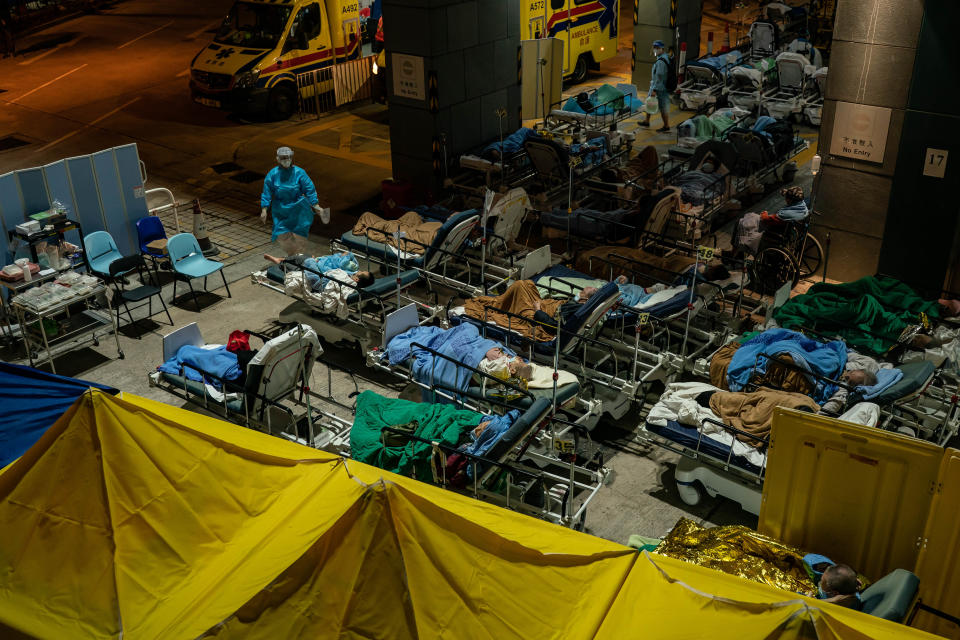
207	102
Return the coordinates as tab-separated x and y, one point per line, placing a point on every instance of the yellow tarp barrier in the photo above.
873	499
135	517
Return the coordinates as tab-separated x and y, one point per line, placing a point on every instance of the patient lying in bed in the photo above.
539	316
518	372
340	277
418	235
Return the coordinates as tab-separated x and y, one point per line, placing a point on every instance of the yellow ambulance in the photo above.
261	46
587	28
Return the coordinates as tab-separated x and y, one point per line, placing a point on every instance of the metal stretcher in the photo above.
518	472
786	100
279	375
361	319
478	396
442	261
705	81
617	370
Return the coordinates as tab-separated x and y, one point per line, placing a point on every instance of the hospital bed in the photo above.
705	80
563	163
747	82
764	39
600	345
361	319
517	471
442	262
786	99
477	396
597	110
278	376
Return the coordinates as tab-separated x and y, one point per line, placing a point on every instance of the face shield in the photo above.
285	157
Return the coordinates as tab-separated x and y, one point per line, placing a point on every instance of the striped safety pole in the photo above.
709	43
682	62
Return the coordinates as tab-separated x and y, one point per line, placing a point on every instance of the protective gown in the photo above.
291	195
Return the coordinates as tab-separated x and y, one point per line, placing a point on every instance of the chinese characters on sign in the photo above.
408	78
860	132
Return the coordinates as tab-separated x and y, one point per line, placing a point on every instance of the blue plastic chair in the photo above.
100	250
150	228
188	263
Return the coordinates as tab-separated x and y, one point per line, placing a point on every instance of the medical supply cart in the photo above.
51	319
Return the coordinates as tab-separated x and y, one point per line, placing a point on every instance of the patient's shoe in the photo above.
663	130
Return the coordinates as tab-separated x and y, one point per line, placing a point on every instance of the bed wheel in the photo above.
691	494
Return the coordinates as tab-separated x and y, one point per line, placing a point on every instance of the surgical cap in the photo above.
658	44
284	152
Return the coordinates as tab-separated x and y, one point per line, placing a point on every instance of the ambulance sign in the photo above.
860	132
408	78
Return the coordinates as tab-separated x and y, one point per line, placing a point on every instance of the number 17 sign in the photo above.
935	163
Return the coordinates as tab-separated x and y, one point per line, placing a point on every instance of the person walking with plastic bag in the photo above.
292	199
658	97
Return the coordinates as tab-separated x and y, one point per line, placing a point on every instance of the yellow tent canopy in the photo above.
132	517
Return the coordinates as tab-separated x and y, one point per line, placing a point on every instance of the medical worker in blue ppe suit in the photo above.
290	195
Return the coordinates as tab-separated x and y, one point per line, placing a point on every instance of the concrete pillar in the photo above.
919	240
651	21
468	50
871	63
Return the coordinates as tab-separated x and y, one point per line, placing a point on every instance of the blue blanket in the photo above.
824	359
217	361
511	144
323	264
490	436
461	343
886	378
633	294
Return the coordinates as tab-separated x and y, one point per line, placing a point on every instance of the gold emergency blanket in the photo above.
518	299
739	551
420	233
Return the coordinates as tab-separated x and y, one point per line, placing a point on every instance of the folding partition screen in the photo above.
102	191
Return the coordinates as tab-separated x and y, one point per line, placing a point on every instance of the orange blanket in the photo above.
380	230
753	412
518	299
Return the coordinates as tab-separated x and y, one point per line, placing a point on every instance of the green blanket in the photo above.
869	314
439	422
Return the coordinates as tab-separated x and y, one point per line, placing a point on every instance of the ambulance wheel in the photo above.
282	102
579	70
691	494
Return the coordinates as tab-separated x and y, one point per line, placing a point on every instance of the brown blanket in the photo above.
777	375
380	230
519	299
662	266
753	412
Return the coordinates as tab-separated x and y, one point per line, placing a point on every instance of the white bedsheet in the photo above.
679	403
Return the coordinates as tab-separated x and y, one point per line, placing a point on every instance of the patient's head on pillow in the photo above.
586	293
707	167
859	378
363	278
520	369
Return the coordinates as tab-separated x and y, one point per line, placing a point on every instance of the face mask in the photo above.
286	163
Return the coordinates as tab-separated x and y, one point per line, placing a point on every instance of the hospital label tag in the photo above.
644	318
563	446
705	253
